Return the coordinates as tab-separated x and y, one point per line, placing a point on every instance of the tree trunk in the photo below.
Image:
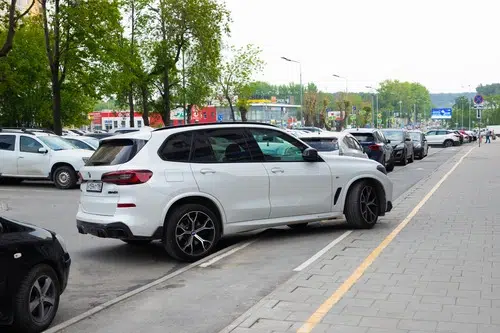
166	98
145	105
131	106
188	113
231	106
56	104
243	113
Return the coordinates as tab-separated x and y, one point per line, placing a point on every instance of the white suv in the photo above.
442	137
190	185
28	154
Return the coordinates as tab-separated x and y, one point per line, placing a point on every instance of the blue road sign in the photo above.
444	113
478	99
220	118
353	108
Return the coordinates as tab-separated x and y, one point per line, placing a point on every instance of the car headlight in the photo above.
62	243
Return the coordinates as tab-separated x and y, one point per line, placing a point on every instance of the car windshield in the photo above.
415	136
91	141
395	136
364	137
57	143
322	144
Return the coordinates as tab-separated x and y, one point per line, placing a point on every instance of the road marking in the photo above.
226	254
139	290
321	252
323	309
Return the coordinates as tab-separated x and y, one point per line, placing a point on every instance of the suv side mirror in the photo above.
310	155
43	150
388	141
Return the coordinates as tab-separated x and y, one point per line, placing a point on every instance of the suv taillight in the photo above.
127	177
374	147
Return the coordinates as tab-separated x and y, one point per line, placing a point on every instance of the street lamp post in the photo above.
301	89
375	108
346	92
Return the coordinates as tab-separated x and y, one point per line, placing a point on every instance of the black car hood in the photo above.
11	225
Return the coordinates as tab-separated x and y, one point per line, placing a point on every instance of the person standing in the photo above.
488	134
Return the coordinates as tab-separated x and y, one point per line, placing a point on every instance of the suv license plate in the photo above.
94	187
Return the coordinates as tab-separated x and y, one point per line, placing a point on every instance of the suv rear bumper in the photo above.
117	230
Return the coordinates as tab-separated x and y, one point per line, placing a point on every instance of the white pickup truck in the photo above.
28	154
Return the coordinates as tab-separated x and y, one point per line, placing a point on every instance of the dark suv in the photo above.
34	269
375	145
402	145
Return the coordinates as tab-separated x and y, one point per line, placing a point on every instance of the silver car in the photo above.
337	143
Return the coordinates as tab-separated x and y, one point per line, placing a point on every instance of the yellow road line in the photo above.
323	309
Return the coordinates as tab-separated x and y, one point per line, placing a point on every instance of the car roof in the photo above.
324	134
360	130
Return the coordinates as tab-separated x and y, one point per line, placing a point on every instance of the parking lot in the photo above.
104	269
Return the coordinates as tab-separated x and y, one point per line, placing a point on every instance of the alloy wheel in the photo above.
42	299
63	177
369	205
195	233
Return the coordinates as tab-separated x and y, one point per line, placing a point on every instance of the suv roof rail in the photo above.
27	130
212	124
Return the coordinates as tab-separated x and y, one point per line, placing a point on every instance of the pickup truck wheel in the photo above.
65	177
362	206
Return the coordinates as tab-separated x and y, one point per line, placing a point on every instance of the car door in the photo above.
386	146
31	162
297	187
8	155
350	148
223	167
425	144
432	137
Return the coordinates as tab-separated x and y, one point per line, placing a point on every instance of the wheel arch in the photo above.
58	165
198	198
378	187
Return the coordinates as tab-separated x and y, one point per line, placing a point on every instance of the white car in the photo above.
442	137
336	143
190	185
37	155
83	142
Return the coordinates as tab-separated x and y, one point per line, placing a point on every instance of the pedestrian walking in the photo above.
488	134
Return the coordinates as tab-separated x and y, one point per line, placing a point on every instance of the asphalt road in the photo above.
104	269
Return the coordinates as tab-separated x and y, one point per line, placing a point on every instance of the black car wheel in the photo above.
362	206
37	300
191	232
65	177
448	143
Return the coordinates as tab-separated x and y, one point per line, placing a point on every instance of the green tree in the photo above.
195	25
237	71
77	38
10	22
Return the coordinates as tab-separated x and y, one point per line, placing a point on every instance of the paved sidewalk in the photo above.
441	273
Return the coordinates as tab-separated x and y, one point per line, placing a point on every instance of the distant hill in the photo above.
447	100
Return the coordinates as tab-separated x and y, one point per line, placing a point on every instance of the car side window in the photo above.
443	132
222	145
79	144
29	145
7	142
357	145
431	133
349	142
380	137
278	146
177	147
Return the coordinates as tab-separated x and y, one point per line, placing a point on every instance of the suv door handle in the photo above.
276	170
20	157
205	171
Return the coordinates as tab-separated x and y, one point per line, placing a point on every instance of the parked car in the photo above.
402	144
309	129
183	185
441	137
337	143
38	155
461	136
375	145
34	269
420	146
83	142
472	135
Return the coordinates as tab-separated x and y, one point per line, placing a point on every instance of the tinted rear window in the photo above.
113	152
322	144
364	137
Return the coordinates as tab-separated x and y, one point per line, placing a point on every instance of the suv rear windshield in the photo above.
364	137
118	151
322	144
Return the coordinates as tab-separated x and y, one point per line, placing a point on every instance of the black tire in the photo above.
448	143
24	319
412	157
178	220
137	242
298	226
354	211
65	178
390	167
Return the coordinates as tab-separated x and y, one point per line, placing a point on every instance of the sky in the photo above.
446	45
